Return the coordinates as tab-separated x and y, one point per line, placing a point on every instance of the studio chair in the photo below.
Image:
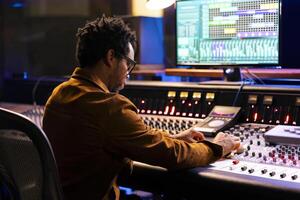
28	169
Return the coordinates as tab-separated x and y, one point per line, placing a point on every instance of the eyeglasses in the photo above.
130	63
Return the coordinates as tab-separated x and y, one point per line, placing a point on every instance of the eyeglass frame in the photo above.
131	62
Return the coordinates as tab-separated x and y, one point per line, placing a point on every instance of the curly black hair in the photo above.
100	35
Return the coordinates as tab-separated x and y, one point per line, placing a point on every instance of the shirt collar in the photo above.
81	73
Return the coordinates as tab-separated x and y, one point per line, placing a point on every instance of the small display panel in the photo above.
224	111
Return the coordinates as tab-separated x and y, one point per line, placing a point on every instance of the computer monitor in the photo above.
236	33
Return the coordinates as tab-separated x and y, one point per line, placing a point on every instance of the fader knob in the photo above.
294	177
244	168
272	173
264	171
283	175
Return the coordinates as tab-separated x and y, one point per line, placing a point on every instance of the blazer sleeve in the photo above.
130	137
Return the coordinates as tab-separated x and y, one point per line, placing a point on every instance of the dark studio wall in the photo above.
1	45
39	37
169	36
14	27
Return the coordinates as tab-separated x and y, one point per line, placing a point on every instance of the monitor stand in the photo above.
232	76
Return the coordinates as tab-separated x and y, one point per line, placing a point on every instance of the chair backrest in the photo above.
28	168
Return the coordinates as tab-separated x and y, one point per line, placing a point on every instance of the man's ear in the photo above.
110	58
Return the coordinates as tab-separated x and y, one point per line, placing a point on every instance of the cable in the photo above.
37	83
253	75
33	93
238	93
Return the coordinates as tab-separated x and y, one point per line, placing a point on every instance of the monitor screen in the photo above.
227	32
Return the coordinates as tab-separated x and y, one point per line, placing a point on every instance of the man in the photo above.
96	132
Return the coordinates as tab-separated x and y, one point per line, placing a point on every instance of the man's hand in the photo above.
228	142
190	135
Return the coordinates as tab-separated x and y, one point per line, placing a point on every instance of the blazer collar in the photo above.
82	74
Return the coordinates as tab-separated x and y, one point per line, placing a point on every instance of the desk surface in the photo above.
261	73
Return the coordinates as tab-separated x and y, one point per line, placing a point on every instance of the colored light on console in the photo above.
171	94
255	117
184	95
235	162
166	110
210	96
287	119
196	95
172	110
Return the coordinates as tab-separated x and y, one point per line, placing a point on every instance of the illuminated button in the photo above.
272	173
244	168
267	100
264	171
196	95
171	94
210	96
184	95
283	175
294	177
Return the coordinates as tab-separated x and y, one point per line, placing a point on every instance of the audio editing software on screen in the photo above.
218	32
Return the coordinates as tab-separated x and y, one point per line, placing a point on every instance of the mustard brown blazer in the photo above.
95	133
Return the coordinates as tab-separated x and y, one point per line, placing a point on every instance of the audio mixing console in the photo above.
269	166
